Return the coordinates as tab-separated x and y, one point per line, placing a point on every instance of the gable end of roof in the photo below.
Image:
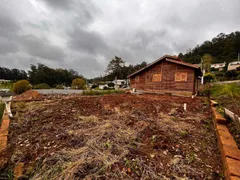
173	59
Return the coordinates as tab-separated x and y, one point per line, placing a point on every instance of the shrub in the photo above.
209	77
238	77
205	90
59	87
94	86
111	84
78	83
21	86
105	88
41	86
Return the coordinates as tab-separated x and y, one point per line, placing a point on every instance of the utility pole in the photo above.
203	71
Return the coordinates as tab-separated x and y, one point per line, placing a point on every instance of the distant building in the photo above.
120	82
233	65
218	66
4	80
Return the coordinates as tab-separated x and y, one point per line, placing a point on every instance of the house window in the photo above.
157	77
137	79
181	76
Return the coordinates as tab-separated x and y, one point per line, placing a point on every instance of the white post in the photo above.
185	106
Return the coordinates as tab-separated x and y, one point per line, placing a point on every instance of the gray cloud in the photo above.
88	41
41	48
86	35
60	4
7	46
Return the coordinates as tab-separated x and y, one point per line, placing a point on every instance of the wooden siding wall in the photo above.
168	83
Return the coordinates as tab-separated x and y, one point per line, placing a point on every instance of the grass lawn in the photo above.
8	85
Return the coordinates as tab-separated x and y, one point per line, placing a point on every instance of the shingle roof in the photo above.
173	59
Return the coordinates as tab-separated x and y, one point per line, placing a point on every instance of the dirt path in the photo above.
114	137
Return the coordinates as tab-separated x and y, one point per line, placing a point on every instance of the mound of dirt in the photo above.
29	95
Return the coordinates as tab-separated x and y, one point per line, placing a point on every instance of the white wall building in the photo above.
233	65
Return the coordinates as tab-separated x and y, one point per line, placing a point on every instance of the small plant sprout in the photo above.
107	144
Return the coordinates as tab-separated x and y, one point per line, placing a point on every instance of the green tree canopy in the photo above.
223	48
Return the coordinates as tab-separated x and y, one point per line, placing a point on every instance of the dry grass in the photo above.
105	143
114	137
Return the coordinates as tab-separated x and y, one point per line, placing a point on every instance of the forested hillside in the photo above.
223	48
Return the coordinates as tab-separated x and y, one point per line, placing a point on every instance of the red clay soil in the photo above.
113	137
29	95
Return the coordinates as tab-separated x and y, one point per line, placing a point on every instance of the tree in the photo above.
180	55
12	74
207	61
115	67
223	48
43	74
208	77
78	83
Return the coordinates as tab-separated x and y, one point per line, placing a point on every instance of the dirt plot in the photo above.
113	137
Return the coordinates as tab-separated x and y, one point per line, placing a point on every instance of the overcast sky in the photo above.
86	35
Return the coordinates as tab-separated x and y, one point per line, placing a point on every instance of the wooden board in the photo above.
156	77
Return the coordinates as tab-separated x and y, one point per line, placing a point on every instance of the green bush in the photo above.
78	83
21	86
238	77
41	86
94	86
111	84
59	87
209	77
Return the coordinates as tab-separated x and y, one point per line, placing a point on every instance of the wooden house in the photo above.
167	74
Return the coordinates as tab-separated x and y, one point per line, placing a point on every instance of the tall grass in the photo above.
102	92
225	90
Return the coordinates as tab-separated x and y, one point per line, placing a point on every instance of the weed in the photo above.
226	90
220	109
133	165
191	158
174	118
207	123
183	133
108	144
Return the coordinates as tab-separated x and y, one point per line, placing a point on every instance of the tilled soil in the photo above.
113	137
